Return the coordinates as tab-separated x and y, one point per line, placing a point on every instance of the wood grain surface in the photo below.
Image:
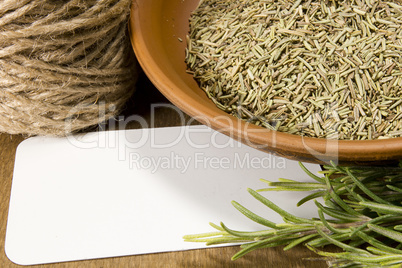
147	103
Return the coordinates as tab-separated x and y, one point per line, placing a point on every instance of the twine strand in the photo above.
65	66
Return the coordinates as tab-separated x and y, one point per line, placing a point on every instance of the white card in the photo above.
117	193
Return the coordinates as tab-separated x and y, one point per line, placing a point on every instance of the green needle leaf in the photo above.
254	217
346	247
373	221
338	200
223	240
397	236
312	196
299	241
382	208
396	189
308	172
361	220
378	244
293	186
250	235
198	236
257	245
277	209
365	189
329	227
340	215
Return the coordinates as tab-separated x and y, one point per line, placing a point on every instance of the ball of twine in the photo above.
64	65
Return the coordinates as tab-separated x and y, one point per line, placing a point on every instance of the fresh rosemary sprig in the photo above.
361	214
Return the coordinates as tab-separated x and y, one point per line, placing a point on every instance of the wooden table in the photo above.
140	104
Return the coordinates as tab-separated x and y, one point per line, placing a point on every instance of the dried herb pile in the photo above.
327	69
361	214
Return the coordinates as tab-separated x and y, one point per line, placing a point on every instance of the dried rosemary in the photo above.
327	69
361	214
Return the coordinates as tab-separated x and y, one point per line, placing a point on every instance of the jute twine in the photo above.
64	65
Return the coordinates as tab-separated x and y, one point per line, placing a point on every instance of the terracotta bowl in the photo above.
156	28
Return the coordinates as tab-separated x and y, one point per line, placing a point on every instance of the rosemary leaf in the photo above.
277	209
361	220
254	217
397	236
383	209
